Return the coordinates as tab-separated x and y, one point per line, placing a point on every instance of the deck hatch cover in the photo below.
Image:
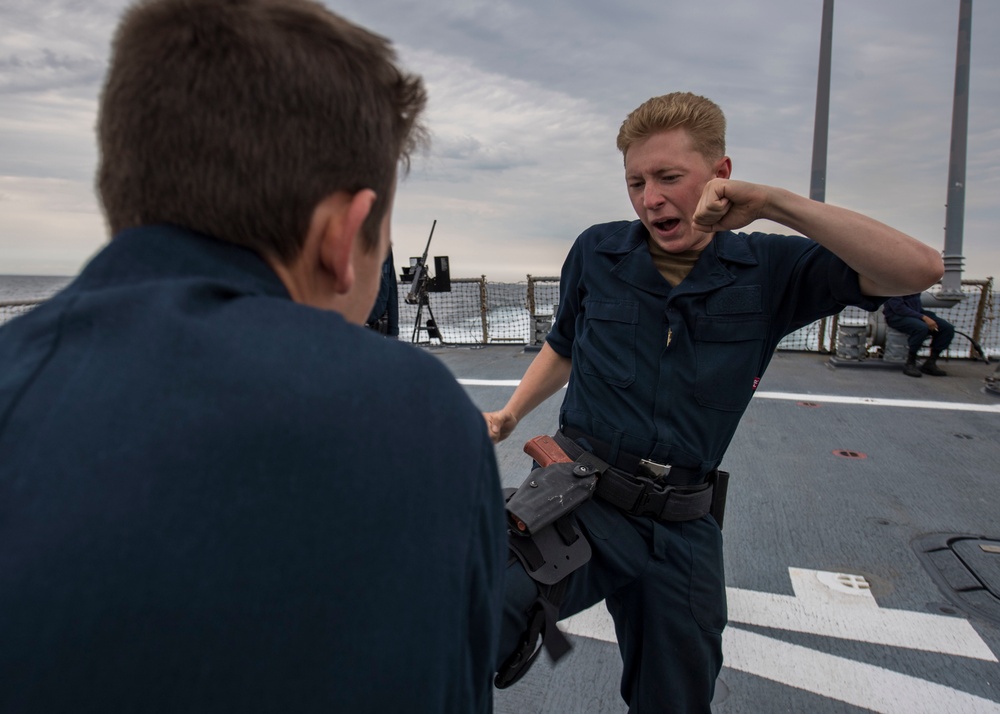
966	568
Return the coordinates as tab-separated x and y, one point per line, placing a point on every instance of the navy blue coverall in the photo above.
665	374
906	315
215	499
386	305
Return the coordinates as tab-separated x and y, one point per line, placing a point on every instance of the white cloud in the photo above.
514	173
47	226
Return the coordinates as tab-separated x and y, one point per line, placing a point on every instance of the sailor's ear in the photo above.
340	218
724	168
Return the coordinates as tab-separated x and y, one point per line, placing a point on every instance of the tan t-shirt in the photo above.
674	267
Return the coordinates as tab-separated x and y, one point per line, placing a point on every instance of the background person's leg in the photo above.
916	331
941	340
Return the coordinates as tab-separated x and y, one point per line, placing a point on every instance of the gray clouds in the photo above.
525	102
52	45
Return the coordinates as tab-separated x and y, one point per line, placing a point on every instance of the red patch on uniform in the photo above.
756	381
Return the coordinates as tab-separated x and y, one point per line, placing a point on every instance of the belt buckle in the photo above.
653	500
652	470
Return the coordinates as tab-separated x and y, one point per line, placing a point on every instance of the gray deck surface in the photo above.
797	510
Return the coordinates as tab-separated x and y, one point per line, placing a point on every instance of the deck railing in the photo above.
479	312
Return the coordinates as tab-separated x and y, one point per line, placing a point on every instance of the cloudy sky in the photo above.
526	97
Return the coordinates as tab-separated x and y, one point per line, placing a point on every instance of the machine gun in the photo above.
421	283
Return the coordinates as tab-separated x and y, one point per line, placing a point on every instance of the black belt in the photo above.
632	464
642	495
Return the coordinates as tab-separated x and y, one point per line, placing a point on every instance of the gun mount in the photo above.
421	283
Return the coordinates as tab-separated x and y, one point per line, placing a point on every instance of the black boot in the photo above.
930	367
910	368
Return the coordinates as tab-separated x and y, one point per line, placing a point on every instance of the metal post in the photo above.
484	309
951	284
817	188
985	293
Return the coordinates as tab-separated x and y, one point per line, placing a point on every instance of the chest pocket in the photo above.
728	354
607	342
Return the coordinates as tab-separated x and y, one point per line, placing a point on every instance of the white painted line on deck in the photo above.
490	382
876	402
862	685
820	607
817	398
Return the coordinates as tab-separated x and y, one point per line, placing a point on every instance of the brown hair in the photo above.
701	117
235	118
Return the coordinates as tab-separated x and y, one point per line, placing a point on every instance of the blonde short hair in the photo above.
701	117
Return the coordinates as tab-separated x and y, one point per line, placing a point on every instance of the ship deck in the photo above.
862	543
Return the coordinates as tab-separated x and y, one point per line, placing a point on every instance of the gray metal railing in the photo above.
479	312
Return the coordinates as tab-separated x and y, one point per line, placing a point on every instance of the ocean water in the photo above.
31	287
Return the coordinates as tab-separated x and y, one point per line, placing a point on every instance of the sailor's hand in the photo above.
726	205
499	425
930	322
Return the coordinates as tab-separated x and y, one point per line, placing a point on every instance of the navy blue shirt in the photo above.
666	373
904	306
387	300
213	499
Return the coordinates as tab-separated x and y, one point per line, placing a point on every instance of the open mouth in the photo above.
667	225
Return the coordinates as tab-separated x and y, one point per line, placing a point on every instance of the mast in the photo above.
817	187
951	283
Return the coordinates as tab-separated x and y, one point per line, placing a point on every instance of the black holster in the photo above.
543	535
549	493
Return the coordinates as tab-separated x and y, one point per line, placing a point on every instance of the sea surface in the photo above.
31	287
